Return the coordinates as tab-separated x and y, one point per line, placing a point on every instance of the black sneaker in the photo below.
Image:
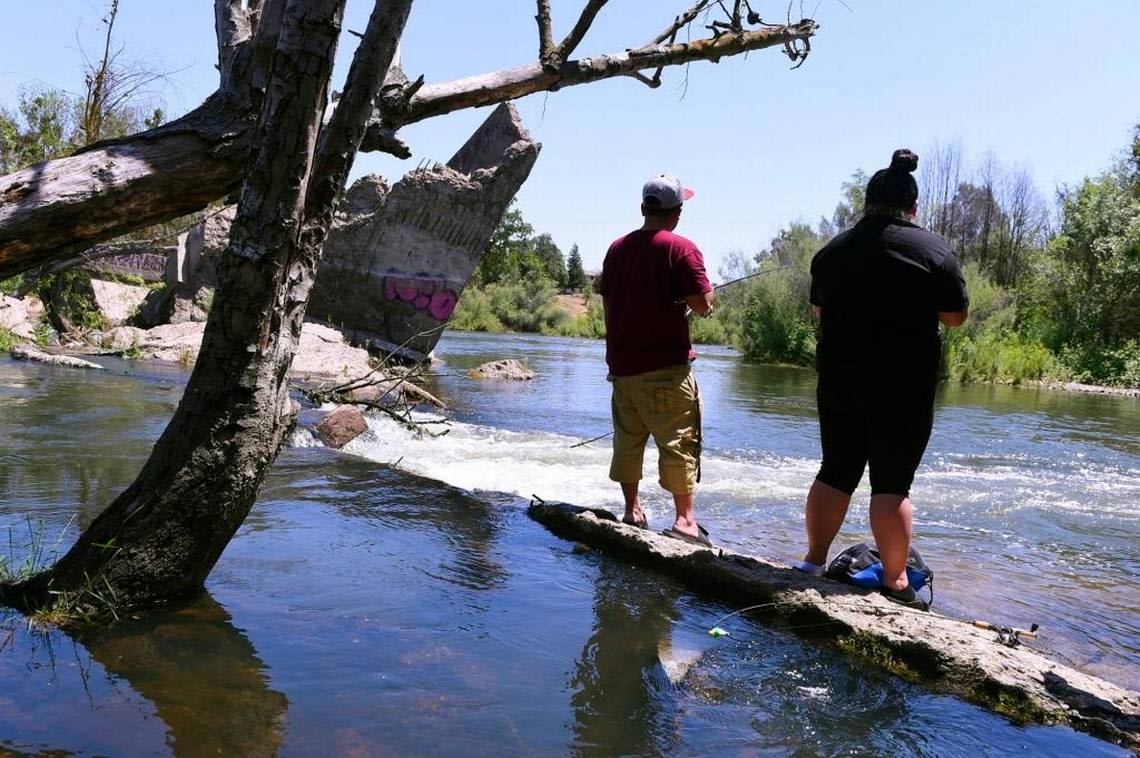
905	596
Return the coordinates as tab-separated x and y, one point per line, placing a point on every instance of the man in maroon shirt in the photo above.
650	278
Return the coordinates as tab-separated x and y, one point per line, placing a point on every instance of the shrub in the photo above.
473	313
591	324
777	327
1095	364
708	331
993	357
526	305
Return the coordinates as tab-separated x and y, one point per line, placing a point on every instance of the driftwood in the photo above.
950	654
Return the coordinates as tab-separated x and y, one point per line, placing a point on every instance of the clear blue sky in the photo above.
1049	85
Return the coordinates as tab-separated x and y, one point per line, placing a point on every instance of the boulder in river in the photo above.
117	302
15	317
341	426
509	369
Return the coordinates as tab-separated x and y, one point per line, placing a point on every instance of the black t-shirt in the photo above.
881	286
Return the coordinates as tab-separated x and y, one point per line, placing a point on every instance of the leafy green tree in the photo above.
575	274
42	129
850	207
777	321
509	242
554	265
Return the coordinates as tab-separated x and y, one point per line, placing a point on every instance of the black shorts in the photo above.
861	423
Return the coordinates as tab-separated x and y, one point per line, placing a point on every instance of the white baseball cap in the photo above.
667	190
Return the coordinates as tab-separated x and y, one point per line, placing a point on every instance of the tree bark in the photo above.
161	537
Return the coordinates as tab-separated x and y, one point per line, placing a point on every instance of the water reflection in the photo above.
407	504
188	666
50	463
623	701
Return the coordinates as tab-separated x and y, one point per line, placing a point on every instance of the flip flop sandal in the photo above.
643	524
701	539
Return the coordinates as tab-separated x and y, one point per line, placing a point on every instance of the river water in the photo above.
367	608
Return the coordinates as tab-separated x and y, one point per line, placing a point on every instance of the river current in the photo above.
396	600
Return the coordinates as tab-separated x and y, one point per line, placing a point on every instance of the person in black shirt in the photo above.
880	291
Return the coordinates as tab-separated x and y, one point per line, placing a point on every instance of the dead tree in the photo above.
56	209
266	130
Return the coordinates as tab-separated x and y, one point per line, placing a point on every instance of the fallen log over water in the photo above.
950	654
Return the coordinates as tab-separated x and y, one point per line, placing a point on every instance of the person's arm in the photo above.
702	305
953	300
954	318
817	311
689	277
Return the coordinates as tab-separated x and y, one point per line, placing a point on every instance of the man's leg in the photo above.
823	516
671	404
891	525
630	436
633	512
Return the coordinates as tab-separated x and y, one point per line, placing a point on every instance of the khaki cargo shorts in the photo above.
667	404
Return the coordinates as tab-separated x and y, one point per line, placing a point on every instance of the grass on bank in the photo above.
94	602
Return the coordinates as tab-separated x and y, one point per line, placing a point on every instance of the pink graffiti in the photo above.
423	291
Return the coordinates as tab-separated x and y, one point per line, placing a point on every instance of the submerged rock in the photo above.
508	369
28	353
341	426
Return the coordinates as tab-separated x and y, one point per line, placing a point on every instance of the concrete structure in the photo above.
397	260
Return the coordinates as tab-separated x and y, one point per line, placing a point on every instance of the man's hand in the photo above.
702	305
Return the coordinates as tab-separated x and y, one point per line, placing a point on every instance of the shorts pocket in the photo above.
674	397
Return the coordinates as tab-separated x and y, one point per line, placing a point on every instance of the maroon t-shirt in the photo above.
645	273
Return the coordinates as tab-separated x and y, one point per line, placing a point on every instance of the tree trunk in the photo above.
161	537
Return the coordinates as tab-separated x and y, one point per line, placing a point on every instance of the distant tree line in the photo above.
1054	290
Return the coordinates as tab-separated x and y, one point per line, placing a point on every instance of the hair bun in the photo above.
903	161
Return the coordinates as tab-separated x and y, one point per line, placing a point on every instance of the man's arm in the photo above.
701	305
954	318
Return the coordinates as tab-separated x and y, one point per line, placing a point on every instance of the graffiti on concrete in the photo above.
426	293
149	266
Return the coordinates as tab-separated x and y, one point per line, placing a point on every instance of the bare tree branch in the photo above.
233	25
341	138
486	89
53	210
568	45
545	34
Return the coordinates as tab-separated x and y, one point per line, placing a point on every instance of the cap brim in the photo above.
688	193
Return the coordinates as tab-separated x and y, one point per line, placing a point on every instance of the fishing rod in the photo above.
715	288
750	276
